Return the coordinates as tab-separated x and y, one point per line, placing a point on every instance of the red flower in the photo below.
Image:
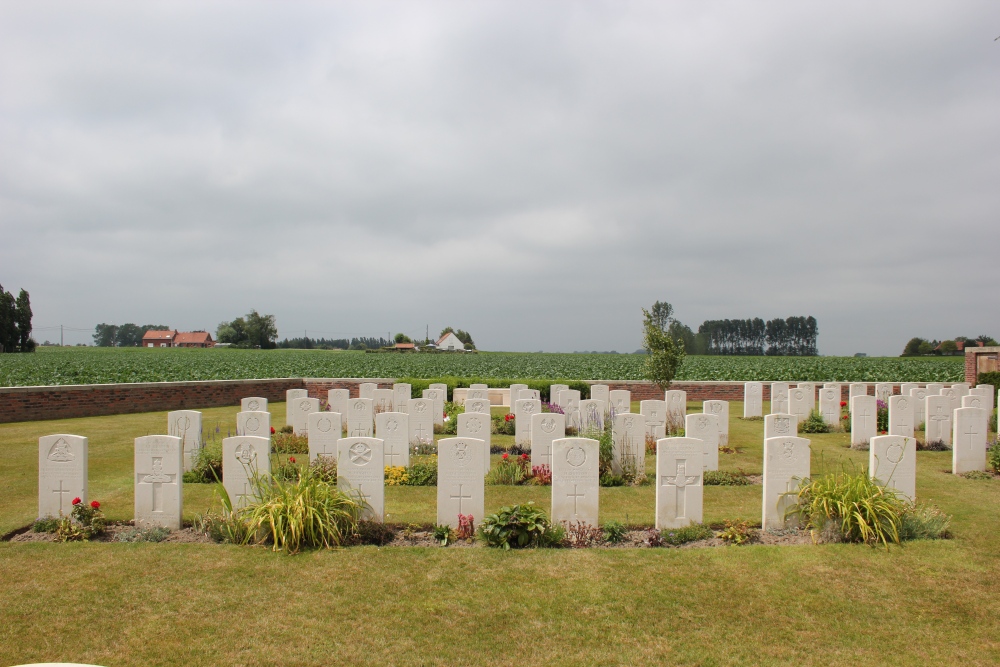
291	459
77	501
843	404
96	505
505	456
524	457
272	430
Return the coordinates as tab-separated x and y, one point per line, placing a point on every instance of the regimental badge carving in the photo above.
359	453
781	425
157	477
754	389
716	408
788	450
576	456
60	451
252	424
305	406
799	395
391	425
548	425
894	453
325	425
474	424
629	422
253	405
245	453
702	423
420	407
359	406
526	408
182	424
461	452
902	404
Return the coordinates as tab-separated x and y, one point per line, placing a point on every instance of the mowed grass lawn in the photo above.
193	604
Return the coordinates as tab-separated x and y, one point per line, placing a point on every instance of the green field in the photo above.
54	366
928	602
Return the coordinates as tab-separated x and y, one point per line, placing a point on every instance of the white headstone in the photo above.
679	470
892	460
242	458
592	415
901	415
159	491
974	401
857	389
367	390
987	391
676	400
621	401
361	473
291	395
934	389
575	480
829	405
477	425
655	413
628	432
324	432
969	451
545	427
253	404
883	390
554	390
780	426
186	425
254	423
919	396
600	392
522	419
954	400
721	410
300	410
479	385
478	405
937	423
705	428
437	396
360	418
382	400
461	486
786	462
529	395
961	388
798	403
864	419
753	403
906	387
401	393
62	473
337	399
421	412
779	398
393	429
569	401
515	390
810	389
477	394
443	388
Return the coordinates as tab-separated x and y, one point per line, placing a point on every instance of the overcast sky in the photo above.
534	173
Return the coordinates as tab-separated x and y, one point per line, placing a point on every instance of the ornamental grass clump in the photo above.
853	506
511	470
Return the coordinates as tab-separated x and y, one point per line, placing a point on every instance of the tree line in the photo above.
360	343
123	335
921	347
252	331
790	337
15	322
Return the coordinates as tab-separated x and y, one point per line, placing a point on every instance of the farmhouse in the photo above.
173	338
449	341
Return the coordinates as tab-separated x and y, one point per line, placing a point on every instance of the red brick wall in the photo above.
61	402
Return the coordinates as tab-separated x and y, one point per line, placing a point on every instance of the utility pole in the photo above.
61	336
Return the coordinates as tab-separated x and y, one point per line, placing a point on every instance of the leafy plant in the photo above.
690	533
396	476
517	527
502	424
423	473
854	505
510	470
654	538
84	522
664	354
45	525
977	474
924	522
541	475
608	479
149	534
444	534
288	470
815	423
725	478
615	531
993	457
289	443
207	466
737	532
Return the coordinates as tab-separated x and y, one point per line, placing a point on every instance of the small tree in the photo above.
912	348
664	353
23	318
402	338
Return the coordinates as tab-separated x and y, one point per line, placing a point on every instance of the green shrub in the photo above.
924	522
857	507
423	473
45	525
451	412
691	533
289	443
509	470
502	424
518	527
444	534
977	474
607	479
151	534
615	531
814	424
725	478
305	513
992	377
993	457
737	532
207	468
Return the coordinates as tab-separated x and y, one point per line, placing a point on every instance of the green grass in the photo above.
931	602
82	365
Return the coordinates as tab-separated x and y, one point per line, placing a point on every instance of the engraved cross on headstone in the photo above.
61	491
421	432
680	480
576	495
460	497
970	431
864	417
940	418
157	479
392	453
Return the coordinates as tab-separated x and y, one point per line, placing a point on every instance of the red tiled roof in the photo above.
159	334
189	337
404	346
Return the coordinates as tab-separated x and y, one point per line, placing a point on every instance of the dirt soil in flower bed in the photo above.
185	535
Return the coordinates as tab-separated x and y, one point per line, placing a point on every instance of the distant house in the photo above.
449	341
173	338
404	347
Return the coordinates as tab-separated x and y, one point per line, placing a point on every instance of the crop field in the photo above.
87	365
